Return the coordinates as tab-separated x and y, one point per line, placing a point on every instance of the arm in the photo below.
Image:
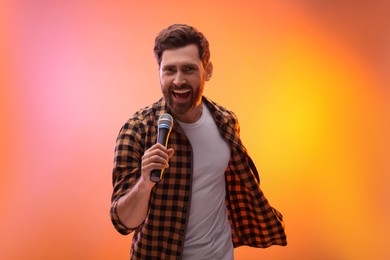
132	208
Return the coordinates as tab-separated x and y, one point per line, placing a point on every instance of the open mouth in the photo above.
181	93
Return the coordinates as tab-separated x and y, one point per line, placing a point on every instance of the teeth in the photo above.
181	91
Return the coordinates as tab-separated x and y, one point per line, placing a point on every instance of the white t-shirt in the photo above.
208	233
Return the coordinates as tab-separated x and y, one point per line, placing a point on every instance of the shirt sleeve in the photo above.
119	226
126	169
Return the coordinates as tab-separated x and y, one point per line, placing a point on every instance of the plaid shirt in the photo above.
254	222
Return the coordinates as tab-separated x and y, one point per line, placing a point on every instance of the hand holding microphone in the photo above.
165	124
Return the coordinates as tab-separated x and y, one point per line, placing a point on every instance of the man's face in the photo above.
182	79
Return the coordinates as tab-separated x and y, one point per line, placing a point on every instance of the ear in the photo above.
209	71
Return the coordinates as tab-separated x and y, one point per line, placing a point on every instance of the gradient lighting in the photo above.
309	86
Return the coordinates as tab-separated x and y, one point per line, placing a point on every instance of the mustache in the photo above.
182	86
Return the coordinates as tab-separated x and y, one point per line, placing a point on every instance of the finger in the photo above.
154	159
156	149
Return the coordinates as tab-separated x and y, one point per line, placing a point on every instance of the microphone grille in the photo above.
165	121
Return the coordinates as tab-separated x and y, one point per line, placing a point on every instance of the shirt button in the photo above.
182	231
185	209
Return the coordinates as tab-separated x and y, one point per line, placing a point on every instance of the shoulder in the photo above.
220	112
147	115
144	118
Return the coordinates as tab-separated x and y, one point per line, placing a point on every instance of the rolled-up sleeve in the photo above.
119	226
126	170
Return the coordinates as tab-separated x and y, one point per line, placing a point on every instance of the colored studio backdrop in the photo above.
308	82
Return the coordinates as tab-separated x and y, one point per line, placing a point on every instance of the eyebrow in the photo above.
180	66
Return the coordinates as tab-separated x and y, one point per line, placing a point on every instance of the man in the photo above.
209	199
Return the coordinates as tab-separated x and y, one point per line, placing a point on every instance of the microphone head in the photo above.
165	121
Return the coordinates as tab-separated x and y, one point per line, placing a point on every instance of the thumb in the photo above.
170	153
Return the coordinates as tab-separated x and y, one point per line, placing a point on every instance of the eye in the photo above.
189	69
169	70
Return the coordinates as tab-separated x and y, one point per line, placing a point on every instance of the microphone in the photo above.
165	124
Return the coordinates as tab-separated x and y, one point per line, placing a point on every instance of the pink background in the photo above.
309	83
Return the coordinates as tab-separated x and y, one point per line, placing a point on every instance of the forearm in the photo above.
132	208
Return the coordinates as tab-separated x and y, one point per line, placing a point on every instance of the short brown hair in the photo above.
181	35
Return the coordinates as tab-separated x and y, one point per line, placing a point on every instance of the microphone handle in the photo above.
155	175
162	138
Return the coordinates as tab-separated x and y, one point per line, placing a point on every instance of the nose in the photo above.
179	79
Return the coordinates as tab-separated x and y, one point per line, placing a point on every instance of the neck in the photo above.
190	116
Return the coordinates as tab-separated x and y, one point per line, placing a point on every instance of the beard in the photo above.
195	97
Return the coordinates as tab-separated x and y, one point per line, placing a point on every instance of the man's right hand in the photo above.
154	158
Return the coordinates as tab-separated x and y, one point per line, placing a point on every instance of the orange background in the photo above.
309	83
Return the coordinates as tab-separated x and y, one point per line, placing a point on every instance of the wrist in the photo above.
145	184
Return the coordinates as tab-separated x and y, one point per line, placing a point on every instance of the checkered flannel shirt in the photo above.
253	221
